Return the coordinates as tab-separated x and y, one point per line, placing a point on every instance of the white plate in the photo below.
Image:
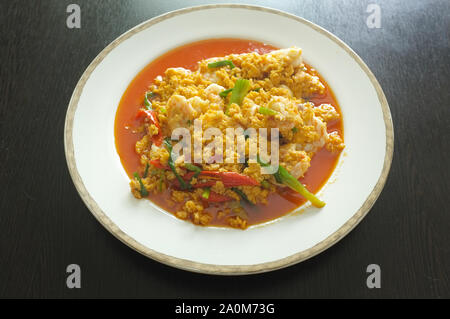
103	184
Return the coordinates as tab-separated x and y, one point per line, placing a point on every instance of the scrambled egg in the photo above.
279	82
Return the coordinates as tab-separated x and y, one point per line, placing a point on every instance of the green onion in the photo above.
257	89
192	167
260	162
162	178
266	111
242	195
206	193
143	190
294	130
183	184
146	170
284	177
221	63
225	93
278	178
240	90
163	110
294	184
265	184
147	98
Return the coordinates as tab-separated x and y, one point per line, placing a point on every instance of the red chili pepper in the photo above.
188	176
231	179
157	139
217	198
157	164
205	184
151	115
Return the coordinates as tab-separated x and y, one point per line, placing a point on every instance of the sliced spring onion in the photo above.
225	93
294	184
294	130
147	98
218	64
162	178
278	179
265	184
143	190
266	111
206	193
192	167
260	162
183	184
284	177
257	89
240	90
242	195
146	170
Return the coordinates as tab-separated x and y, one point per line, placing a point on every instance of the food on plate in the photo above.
270	91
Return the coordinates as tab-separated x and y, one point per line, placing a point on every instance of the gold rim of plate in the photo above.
211	268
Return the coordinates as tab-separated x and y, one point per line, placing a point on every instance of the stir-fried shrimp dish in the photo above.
232	140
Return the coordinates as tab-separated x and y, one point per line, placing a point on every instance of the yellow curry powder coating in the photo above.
279	82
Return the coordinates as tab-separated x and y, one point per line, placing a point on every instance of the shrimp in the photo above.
295	161
292	56
212	93
322	136
179	112
326	112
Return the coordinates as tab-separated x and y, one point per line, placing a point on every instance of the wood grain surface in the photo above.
44	225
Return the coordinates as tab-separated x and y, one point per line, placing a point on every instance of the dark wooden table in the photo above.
44	225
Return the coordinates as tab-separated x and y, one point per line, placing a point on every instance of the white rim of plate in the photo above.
211	268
